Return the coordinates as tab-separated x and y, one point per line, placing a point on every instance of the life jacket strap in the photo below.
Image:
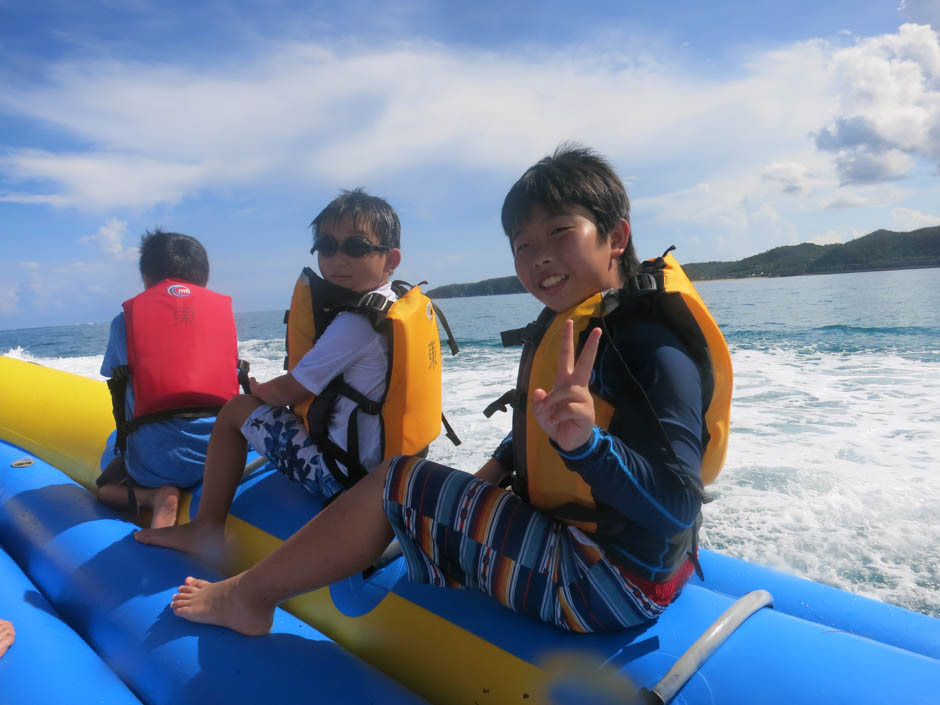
117	386
449	431
196	413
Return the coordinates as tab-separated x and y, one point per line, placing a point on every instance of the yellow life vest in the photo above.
410	410
545	480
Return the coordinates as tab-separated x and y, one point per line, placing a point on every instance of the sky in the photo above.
737	126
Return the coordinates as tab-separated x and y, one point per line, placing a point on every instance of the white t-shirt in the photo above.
350	347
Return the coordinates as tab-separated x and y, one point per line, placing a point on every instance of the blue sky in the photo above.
737	127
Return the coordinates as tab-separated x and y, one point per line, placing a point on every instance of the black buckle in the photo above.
508	398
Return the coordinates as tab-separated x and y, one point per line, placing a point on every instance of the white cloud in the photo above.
889	106
862	196
109	237
101	180
9	300
834	237
158	133
907	219
741	147
792	177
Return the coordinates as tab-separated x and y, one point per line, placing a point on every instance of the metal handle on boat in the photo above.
713	637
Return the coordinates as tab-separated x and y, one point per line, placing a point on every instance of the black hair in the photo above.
173	256
573	175
369	213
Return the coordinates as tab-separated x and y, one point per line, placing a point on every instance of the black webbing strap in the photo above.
117	386
401	287
451	341
318	418
193	413
449	431
243	368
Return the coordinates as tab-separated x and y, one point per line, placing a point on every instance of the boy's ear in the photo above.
392	260
619	239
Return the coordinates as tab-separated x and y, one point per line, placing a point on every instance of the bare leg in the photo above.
114	496
313	557
7	635
163	500
225	462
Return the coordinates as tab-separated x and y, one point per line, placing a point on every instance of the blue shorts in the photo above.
458	531
279	435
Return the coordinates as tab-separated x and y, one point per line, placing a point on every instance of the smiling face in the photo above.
361	274
561	260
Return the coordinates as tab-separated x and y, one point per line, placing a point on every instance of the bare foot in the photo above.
7	635
166	501
222	604
207	540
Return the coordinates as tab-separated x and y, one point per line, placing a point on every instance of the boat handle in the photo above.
703	647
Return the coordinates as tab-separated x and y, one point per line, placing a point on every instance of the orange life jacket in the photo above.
410	410
664	293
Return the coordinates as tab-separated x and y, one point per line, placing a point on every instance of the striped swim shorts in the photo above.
458	531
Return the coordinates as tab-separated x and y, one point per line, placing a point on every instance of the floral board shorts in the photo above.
279	435
458	531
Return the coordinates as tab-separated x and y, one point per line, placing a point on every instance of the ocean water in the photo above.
832	470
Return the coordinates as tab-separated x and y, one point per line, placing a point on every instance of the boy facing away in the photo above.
599	530
357	238
172	360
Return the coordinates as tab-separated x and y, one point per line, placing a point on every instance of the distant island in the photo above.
882	249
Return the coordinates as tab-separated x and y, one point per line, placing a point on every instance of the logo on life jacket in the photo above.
179	290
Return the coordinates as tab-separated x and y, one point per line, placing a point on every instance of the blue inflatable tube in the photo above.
46	645
824	604
816	647
115	594
821	645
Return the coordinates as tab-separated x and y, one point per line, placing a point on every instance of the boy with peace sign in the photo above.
599	529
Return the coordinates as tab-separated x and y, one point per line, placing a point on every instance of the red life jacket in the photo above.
182	348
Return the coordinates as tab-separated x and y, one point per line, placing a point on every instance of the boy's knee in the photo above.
237	410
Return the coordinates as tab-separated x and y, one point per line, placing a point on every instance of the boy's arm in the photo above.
492	471
280	391
116	352
658	488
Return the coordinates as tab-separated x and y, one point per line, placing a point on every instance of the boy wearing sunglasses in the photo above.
356	240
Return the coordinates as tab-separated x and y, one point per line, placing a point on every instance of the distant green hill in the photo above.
882	249
487	287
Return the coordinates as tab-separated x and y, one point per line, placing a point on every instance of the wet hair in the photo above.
173	256
572	176
369	214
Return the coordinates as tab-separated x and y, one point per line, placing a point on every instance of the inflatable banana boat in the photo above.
787	640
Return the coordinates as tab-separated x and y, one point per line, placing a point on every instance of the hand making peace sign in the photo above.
566	413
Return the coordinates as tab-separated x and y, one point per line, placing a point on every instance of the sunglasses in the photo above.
356	246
